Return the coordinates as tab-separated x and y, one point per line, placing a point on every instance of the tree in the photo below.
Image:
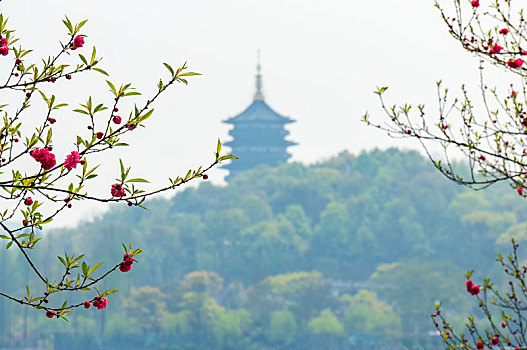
42	178
230	328
305	294
366	314
195	306
326	323
282	327
327	327
493	141
146	307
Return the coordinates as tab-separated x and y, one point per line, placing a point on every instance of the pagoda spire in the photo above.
258	96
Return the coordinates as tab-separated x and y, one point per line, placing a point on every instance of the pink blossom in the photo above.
516	63
100	303
44	157
49	162
469	285
496	49
78	42
504	31
475	3
117	119
4	49
475	290
72	160
117	190
123	267
28	201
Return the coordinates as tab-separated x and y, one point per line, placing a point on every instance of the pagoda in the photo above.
258	136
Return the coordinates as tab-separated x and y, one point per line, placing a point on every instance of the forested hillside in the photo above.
348	253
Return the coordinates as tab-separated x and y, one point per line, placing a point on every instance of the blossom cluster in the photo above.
100	302
4	49
77	42
472	288
127	263
72	160
44	157
117	190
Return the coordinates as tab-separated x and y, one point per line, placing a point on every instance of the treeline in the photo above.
349	253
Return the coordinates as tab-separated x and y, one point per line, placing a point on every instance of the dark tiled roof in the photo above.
259	111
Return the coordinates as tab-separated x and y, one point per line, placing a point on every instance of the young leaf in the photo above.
101	71
112	87
137	180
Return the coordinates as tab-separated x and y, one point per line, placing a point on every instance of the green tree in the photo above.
282	327
326	323
230	327
194	306
413	286
146	307
305	294
366	314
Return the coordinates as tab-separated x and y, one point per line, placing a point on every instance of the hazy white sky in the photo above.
321	61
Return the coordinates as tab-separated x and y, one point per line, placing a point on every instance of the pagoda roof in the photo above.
259	111
277	143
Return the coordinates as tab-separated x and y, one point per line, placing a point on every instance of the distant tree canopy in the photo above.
293	256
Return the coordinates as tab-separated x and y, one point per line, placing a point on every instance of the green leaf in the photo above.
169	68
101	71
218	149
227	156
138	180
144	116
108	292
49	136
95	267
99	108
122	168
187	74
81	111
93	55
132	93
137	251
112	87
68	25
381	90
62	261
80	25
83	59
